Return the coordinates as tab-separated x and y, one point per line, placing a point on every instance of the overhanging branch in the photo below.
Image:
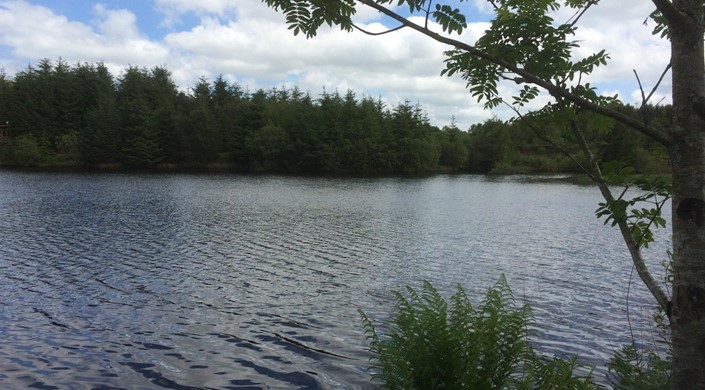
528	76
633	246
581	12
670	12
362	30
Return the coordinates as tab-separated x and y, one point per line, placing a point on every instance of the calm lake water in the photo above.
221	281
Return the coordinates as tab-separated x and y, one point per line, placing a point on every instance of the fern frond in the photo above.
433	345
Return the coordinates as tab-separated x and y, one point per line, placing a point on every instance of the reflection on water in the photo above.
183	282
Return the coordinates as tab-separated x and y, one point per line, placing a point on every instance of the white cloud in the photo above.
117	24
33	32
483	6
657	98
618	28
403	64
219	7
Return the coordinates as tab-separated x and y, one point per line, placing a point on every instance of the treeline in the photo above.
544	143
82	115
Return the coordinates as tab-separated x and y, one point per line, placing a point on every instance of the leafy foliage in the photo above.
523	37
555	374
654	191
141	120
450	18
432	344
635	368
305	16
496	146
25	150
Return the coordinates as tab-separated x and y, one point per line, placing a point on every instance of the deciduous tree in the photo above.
526	45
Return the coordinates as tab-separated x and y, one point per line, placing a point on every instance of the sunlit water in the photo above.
210	282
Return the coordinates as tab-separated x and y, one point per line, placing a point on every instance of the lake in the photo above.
180	281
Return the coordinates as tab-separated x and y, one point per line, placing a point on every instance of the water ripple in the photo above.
230	282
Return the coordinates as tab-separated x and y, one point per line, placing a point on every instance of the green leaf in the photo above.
451	20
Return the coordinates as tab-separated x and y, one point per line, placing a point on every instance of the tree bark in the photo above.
688	167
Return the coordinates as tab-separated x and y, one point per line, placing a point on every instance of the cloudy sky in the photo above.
249	43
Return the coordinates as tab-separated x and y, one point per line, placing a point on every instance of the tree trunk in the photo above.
688	167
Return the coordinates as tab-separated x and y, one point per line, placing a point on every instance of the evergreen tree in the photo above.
100	138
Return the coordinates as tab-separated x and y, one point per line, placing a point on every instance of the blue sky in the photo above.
249	43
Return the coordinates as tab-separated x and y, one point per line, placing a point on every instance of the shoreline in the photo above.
232	169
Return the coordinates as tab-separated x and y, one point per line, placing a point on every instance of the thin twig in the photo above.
548	140
377	33
629	287
658	83
428	14
641	88
581	13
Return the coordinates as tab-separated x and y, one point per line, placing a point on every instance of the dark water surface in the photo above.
232	282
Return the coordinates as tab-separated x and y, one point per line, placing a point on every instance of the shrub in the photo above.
639	369
26	150
433	345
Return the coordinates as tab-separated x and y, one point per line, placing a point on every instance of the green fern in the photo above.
640	369
554	374
432	344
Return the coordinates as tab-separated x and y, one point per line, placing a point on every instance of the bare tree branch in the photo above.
579	14
658	83
645	99
554	90
377	33
641	88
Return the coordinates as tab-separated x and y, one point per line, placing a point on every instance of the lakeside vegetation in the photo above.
82	116
433	343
